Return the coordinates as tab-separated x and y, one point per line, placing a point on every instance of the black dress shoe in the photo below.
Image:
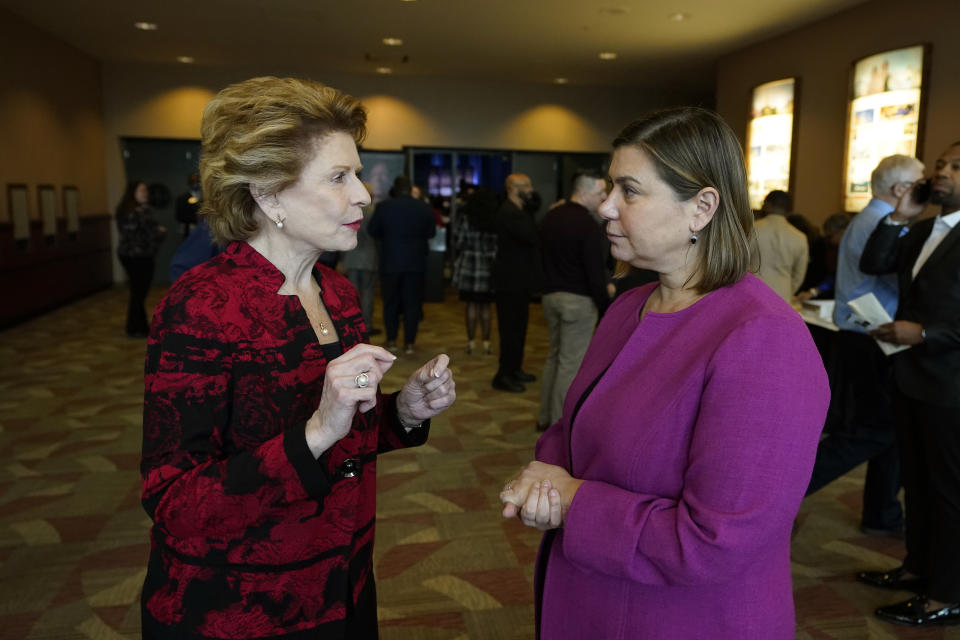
913	612
892	579
895	531
505	383
520	376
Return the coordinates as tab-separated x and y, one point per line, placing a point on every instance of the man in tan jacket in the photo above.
783	248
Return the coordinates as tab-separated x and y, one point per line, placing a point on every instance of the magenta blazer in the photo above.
696	444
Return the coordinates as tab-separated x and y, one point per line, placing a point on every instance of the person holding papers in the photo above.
926	259
860	423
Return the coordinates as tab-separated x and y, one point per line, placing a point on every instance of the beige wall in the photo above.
821	55
166	101
51	121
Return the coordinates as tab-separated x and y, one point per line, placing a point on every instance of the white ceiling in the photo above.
516	40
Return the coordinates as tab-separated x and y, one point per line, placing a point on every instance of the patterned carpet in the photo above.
73	538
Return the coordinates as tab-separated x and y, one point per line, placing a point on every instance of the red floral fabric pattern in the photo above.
252	536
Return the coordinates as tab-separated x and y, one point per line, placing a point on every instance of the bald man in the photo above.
516	273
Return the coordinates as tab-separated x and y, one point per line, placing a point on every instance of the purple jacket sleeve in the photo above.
762	406
551	448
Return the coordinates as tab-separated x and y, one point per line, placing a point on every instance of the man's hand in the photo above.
907	208
899	332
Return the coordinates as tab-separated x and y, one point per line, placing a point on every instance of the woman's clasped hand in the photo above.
540	496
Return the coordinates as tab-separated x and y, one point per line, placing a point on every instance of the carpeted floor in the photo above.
73	538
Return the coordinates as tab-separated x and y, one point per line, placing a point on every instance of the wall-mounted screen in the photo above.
71	208
47	205
884	117
19	211
770	139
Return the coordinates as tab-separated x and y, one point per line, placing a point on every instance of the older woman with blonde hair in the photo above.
669	486
263	415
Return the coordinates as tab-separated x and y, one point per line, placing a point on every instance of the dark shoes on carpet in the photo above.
914	613
879	532
507	383
520	376
892	579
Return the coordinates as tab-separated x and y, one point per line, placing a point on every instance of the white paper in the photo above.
870	314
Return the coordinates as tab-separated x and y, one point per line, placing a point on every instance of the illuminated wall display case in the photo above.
883	118
770	135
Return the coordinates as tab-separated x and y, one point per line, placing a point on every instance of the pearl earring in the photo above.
279	221
693	238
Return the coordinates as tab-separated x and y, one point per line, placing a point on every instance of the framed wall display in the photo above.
47	206
380	169
883	119
18	202
770	136
71	208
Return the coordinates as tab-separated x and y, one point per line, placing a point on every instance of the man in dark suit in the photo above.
515	276
926	259
404	225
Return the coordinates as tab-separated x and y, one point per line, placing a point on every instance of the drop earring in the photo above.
693	238
279	221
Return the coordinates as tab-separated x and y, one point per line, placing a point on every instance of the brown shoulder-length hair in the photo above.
693	148
262	131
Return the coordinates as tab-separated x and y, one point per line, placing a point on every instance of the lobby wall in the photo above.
822	55
52	133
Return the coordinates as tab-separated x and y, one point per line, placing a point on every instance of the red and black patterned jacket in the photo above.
252	536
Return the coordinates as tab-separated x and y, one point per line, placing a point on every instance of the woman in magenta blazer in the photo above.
669	487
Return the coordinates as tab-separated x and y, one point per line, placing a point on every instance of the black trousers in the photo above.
513	313
140	274
861	428
930	458
402	293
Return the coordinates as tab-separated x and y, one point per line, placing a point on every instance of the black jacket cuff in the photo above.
312	471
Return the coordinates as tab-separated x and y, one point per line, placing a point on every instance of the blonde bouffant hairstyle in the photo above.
262	132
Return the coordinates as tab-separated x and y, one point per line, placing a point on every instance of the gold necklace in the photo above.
323	330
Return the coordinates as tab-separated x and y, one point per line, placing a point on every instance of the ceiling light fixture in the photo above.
185	59
393	42
679	17
145	26
560	81
384	70
608	55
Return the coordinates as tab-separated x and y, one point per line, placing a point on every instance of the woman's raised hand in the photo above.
349	384
429	391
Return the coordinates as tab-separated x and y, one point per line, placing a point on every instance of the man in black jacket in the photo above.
574	288
515	277
926	259
404	225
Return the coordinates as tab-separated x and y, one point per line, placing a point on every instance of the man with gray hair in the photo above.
861	413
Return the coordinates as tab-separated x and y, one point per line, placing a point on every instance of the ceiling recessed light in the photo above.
384	70
185	59
608	55
145	26
614	11
393	42
560	81
679	17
